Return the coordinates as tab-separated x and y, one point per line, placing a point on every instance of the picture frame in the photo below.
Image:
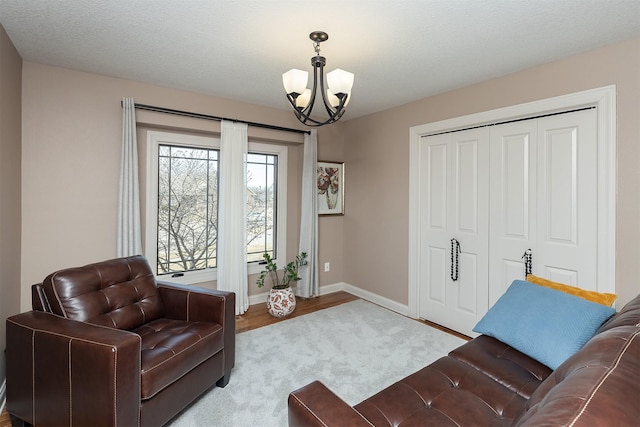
330	185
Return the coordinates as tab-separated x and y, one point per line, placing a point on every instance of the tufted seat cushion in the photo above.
486	377
504	364
171	348
436	394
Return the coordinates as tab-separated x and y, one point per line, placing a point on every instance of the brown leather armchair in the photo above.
107	345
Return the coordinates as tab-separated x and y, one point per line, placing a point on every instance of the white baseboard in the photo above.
354	290
377	299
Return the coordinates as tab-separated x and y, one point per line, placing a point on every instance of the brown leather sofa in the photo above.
107	345
486	383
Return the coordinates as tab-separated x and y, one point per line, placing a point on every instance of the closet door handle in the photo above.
528	262
455	260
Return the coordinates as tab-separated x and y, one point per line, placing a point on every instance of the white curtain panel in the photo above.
309	284
129	238
232	202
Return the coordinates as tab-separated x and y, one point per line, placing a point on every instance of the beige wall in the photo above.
377	155
71	150
10	127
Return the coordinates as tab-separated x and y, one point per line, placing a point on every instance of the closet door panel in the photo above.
454	196
470	209
511	268
467	285
513	203
568	199
515	182
435	225
437	274
561	275
436	180
466	191
560	181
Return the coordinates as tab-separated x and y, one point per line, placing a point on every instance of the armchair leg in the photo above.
222	382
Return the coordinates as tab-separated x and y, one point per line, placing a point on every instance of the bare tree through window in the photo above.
188	207
261	205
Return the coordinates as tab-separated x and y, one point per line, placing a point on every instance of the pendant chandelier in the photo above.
335	98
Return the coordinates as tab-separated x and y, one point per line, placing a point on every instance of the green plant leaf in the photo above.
290	271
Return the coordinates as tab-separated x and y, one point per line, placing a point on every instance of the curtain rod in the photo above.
208	117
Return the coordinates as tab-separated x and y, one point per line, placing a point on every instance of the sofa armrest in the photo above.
195	304
64	372
316	405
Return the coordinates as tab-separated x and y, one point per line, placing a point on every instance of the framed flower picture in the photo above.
330	182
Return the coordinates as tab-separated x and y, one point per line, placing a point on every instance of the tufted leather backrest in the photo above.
598	384
119	293
629	315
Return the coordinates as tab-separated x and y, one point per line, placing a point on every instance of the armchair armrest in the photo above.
195	304
64	372
315	405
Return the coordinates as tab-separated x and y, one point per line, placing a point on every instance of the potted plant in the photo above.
281	300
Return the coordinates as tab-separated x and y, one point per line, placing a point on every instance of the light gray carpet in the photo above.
356	349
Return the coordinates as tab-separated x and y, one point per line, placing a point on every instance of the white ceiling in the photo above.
399	50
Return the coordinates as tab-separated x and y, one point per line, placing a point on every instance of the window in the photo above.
182	205
261	207
187	212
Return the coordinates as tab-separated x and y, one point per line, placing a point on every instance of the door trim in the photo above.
604	99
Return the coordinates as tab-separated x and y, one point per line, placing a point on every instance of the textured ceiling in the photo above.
400	51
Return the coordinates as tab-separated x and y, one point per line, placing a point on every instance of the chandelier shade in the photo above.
335	97
295	80
340	81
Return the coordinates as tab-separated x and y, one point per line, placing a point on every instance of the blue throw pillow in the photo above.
545	324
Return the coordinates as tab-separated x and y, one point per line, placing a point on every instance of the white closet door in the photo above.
544	198
454	197
551	189
568	199
513	202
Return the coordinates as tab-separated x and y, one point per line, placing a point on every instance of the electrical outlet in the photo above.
327	267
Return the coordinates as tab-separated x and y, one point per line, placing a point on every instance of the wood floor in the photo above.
5	421
257	316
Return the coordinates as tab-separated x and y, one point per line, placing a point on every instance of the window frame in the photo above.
156	138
